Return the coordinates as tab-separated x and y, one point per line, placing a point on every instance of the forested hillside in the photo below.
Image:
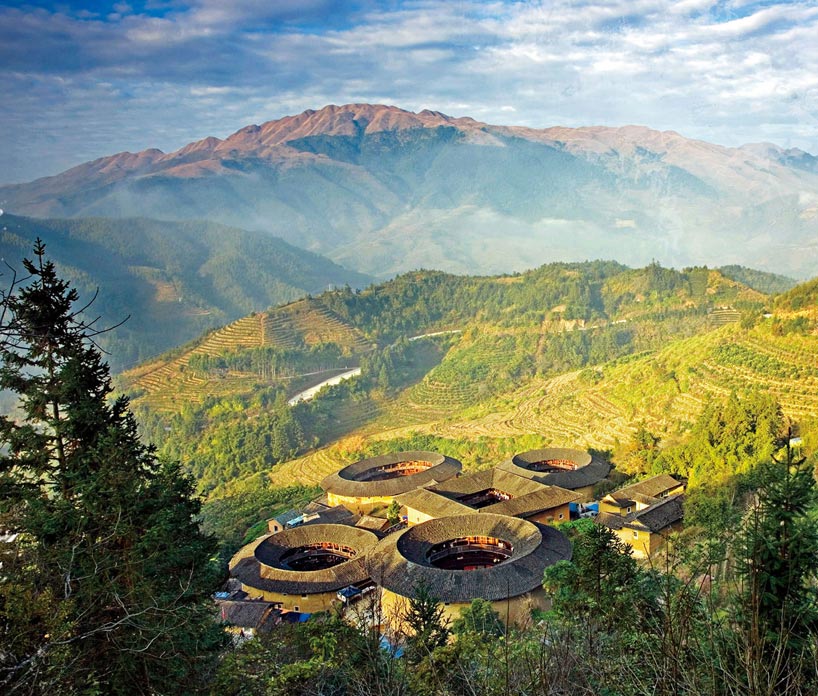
591	355
172	280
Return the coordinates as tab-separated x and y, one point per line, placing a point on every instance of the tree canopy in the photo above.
110	575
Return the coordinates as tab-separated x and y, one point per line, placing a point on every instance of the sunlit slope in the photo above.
166	384
601	406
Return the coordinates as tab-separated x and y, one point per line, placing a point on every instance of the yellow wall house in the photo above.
639	496
646	530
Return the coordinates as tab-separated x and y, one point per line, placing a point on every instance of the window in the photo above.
629	508
296	608
560	515
635	534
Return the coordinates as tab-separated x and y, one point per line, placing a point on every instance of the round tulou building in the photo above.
574	470
465	557
373	483
303	568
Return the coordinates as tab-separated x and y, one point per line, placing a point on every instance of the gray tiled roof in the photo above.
644	490
589	471
263	569
400	562
653	519
245	614
533	503
344	482
478	481
432	504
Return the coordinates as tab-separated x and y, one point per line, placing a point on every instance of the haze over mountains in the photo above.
384	190
171	280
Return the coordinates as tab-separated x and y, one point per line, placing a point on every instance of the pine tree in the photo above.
426	622
777	606
109	552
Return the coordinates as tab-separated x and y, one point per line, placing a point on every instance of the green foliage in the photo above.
425	623
393	512
778	550
109	538
602	584
173	279
729	437
478	618
768	283
230	515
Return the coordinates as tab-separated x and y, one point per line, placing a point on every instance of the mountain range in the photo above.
384	190
169	281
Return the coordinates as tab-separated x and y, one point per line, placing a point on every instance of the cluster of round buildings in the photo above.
480	535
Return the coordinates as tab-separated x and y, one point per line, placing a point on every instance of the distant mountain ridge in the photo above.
173	279
386	190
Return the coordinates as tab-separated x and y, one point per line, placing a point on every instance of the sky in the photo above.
81	80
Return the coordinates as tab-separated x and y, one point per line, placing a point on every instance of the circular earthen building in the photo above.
372	483
303	568
465	557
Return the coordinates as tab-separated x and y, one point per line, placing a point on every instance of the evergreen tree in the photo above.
109	551
778	563
426	623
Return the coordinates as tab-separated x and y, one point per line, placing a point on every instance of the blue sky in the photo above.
85	79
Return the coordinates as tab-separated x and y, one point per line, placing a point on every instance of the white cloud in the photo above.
80	86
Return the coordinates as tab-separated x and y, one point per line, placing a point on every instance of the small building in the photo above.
647	529
312	514
641	495
374	483
302	569
464	557
378	525
246	618
571	469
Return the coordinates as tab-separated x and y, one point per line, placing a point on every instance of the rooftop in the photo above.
558	466
402	561
645	491
655	518
264	565
504	493
391	474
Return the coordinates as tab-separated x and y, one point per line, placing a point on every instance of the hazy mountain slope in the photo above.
174	279
386	190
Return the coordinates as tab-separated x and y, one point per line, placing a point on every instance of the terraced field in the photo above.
167	384
309	322
602	407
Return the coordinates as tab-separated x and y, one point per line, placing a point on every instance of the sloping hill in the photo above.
168	383
602	406
385	190
568	354
174	280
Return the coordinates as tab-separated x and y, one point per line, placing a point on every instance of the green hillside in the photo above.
173	279
571	354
